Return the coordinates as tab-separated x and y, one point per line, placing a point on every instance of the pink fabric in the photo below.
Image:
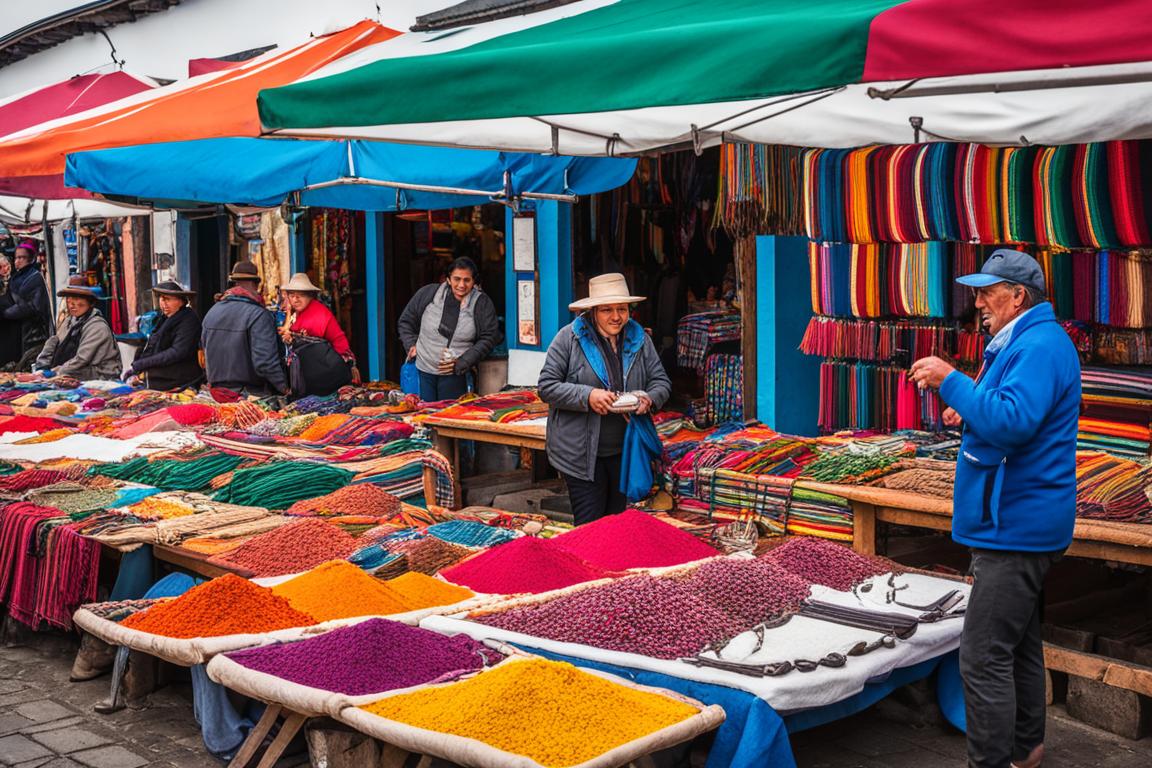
938	38
317	320
67	97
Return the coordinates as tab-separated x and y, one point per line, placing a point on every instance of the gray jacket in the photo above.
96	357
241	348
573	368
477	331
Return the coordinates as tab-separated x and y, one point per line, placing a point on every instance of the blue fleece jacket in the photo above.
1016	474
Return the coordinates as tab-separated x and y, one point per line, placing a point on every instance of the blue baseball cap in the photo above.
1007	266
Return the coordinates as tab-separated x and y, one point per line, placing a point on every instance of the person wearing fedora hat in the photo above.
169	360
591	363
448	328
242	351
320	360
83	346
26	304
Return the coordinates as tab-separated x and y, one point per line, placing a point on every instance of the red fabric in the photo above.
937	38
192	414
245	292
317	320
27	424
204	66
68	97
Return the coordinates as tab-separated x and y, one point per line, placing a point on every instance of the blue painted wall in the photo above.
787	381
375	247
554	267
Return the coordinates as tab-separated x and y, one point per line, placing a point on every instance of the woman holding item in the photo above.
448	328
320	360
600	364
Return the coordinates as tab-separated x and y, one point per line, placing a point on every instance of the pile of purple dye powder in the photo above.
750	591
371	657
661	618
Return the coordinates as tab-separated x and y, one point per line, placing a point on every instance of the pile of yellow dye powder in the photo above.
548	711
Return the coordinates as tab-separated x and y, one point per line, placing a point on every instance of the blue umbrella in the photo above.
352	174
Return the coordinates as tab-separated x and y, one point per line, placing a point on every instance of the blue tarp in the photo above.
266	173
754	735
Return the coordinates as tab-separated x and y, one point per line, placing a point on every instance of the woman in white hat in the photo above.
591	365
83	346
321	359
170	360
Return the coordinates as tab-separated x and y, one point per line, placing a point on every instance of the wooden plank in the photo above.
288	729
192	562
864	528
256	737
1130	677
913	518
536	443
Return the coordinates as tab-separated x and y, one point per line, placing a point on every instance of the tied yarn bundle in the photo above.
277	485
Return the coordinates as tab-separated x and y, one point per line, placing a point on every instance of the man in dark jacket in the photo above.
27	304
170	358
241	346
1014	503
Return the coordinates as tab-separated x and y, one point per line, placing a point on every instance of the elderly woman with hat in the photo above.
599	366
169	360
320	360
447	328
83	346
241	350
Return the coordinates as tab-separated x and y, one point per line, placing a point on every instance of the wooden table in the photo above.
1095	539
447	434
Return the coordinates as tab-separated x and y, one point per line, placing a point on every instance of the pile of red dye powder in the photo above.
524	565
632	539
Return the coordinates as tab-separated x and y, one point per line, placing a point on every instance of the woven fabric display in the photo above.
697	333
911	279
724	388
874	397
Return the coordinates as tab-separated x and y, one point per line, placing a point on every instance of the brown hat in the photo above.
244	270
172	288
78	286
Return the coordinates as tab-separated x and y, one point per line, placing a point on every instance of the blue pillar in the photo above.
298	246
787	381
553	273
374	251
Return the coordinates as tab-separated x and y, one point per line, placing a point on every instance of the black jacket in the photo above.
241	348
27	304
169	358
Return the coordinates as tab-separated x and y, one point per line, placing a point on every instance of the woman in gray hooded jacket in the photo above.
591	362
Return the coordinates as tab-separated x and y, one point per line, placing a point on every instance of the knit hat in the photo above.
244	270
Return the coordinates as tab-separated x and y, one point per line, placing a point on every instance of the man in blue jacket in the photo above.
1014	502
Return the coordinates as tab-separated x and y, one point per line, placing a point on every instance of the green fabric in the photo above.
632	54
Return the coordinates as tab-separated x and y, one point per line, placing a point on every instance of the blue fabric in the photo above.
642	446
1016	473
752	735
267	172
409	378
221	726
950	690
434	387
128	496
873	692
633	342
135	575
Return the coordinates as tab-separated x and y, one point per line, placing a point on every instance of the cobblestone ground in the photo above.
48	722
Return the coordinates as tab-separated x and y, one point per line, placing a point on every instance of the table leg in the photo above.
289	728
256	736
864	528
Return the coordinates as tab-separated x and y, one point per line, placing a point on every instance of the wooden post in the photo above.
864	528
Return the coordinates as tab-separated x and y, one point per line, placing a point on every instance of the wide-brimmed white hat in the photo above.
300	282
610	288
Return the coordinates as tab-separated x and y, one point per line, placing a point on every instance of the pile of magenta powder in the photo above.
660	618
749	591
824	562
525	565
632	539
371	657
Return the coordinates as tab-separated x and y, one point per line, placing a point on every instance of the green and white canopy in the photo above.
623	76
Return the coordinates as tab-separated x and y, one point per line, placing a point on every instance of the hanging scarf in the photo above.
245	293
450	313
66	349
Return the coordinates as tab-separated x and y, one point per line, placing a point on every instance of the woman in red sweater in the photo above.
320	360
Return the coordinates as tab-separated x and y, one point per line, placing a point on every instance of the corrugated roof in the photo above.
479	11
90	17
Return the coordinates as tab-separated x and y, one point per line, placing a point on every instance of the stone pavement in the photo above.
48	722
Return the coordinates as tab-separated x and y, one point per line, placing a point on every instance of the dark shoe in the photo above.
1035	757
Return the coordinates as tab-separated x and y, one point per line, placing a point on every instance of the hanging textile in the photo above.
977	193
1130	190
724	388
1054	213
1016	194
1090	197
